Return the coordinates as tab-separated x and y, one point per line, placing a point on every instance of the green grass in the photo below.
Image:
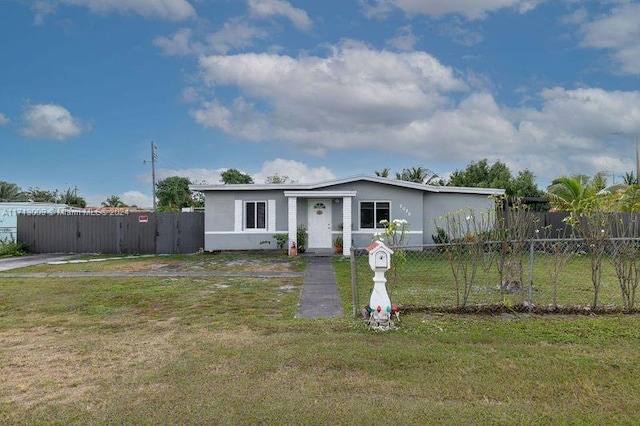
214	350
426	281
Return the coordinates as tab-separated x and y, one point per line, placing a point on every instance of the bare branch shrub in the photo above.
469	231
625	257
561	250
515	226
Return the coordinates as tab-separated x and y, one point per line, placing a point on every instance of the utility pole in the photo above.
153	172
637	160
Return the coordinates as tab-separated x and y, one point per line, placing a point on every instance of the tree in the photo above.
277	178
570	192
383	173
234	176
524	185
481	175
418	175
630	179
41	195
113	201
10	192
173	193
71	198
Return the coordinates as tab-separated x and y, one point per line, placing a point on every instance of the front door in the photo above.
319	218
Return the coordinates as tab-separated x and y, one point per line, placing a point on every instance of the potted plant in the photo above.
301	236
338	244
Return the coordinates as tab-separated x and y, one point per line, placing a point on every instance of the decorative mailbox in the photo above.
380	306
381	259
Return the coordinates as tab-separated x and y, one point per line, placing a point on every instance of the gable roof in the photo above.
347	180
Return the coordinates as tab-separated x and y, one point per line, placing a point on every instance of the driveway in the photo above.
8	263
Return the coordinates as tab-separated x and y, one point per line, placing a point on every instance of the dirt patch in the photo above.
57	365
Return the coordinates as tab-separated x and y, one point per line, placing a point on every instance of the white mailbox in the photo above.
379	256
380	307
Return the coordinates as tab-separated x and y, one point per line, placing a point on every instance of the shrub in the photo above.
12	248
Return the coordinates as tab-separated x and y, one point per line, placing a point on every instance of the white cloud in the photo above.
49	121
618	32
470	9
269	8
295	170
236	33
405	40
355	89
197	175
137	198
171	10
409	104
3	119
178	44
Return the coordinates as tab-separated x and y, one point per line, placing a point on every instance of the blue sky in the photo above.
312	89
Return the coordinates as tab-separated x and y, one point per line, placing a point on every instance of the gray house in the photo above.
245	217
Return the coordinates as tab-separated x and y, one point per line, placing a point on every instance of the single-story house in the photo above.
245	217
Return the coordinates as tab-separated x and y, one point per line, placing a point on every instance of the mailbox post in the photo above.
380	307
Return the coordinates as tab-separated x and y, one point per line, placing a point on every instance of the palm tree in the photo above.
630	200
383	173
418	175
113	201
568	192
630	179
10	192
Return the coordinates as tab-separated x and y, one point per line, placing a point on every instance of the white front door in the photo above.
319	218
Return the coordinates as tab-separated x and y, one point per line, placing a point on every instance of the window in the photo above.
372	212
255	215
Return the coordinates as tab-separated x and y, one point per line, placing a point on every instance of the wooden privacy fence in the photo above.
139	233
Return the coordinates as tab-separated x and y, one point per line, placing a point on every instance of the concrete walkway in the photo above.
9	263
319	298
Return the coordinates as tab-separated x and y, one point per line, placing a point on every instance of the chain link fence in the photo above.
535	275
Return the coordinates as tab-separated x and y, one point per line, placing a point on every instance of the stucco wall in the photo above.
220	220
421	209
436	206
406	204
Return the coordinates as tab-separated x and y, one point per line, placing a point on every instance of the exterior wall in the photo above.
418	207
437	206
221	232
406	204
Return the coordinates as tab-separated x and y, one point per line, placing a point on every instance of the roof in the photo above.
347	180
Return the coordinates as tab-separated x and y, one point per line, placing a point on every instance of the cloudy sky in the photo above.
312	89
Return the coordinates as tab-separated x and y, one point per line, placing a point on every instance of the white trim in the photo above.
320	194
292	222
302	188
237	217
376	222
261	231
347	224
266	215
372	232
271	215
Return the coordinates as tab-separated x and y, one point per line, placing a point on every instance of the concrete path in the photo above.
319	298
36	259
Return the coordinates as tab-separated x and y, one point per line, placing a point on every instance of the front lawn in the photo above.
229	350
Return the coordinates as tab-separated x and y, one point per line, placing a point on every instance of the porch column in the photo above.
346	226
293	222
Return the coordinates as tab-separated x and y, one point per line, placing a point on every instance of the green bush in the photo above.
12	248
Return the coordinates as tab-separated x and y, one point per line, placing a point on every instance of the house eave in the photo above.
319	185
320	194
